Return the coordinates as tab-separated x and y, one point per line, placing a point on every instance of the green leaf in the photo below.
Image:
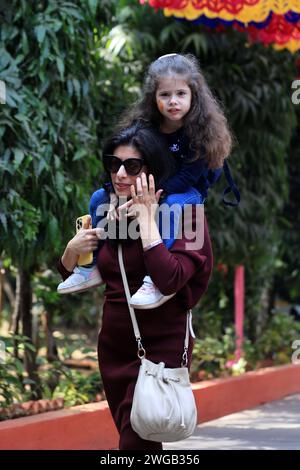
93	5
79	154
70	87
27	381
21	117
19	156
19	366
76	85
61	67
40	32
3	220
25	44
30	346
60	180
12	380
198	41
41	167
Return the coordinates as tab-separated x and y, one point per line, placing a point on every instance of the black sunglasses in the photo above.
132	166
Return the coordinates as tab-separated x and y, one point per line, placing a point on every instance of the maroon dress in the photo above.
185	272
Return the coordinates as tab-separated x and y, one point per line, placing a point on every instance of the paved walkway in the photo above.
272	426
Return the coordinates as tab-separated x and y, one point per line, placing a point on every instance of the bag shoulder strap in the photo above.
231	188
141	351
136	330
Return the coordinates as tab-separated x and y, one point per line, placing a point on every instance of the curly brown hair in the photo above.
205	124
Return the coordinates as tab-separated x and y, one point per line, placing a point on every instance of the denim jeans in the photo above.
171	208
97	200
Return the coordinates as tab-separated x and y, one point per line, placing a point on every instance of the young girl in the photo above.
178	103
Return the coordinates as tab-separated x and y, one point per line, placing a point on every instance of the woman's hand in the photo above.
144	198
144	202
85	240
143	207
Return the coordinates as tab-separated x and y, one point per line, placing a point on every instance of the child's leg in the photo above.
171	210
170	214
84	277
98	207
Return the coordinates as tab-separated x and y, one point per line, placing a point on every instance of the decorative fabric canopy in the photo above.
275	22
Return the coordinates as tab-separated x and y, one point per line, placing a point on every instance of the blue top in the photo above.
195	173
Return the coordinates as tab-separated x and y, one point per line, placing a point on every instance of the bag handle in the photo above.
141	352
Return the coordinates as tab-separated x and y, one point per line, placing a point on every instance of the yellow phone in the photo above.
85	258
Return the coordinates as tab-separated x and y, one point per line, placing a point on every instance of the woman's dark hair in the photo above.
205	124
149	143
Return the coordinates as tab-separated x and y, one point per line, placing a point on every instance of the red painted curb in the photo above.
80	427
91	426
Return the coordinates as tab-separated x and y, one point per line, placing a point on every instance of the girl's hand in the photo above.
85	240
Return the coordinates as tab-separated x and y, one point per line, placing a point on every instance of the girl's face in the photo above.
173	99
122	180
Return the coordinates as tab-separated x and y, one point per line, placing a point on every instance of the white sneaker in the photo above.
81	279
148	296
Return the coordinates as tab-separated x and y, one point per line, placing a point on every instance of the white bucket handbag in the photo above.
163	407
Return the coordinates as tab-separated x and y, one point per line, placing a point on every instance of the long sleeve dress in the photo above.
179	270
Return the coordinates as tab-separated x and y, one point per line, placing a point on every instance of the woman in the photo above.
181	270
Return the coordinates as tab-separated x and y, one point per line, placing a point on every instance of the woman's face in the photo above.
121	180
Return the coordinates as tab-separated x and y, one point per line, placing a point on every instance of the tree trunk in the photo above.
264	313
17	315
52	352
10	294
1	289
25	299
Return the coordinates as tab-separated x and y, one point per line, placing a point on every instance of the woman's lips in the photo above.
122	186
174	111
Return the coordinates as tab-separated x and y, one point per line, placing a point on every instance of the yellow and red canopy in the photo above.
274	22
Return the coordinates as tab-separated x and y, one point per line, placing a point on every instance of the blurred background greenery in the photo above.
70	69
